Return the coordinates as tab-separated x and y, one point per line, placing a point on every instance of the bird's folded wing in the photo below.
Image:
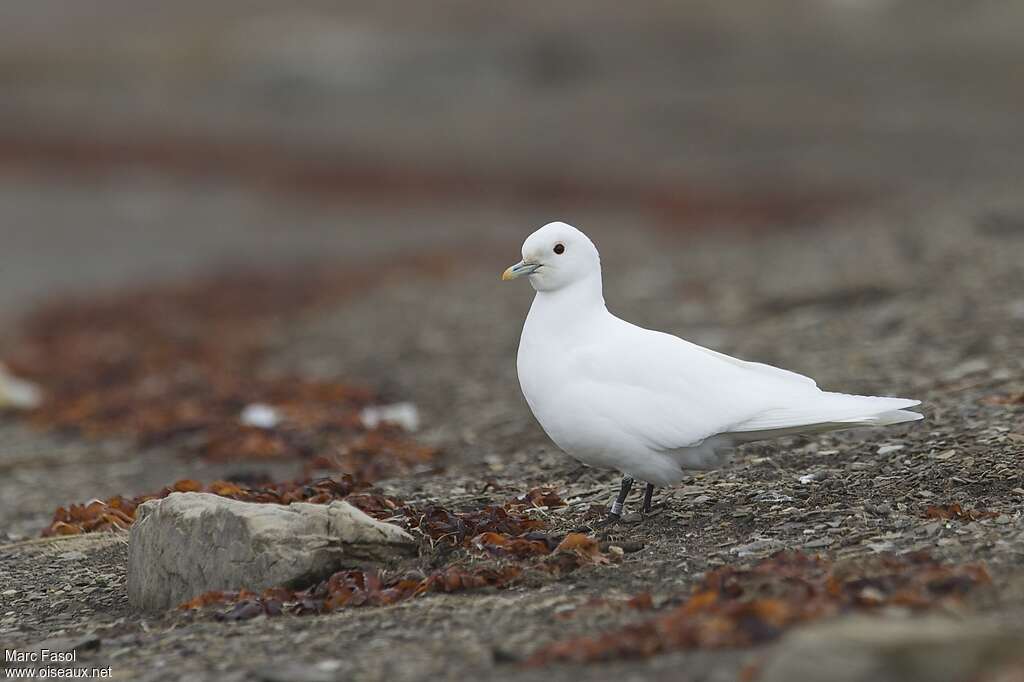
674	394
768	370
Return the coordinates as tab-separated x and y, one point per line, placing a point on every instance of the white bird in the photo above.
649	404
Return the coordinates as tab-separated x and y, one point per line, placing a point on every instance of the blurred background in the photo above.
736	162
150	139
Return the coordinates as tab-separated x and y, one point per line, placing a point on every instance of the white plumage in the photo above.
649	404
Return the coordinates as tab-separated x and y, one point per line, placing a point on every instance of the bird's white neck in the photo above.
568	305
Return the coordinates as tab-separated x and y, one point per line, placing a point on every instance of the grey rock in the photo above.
83	643
190	543
932	649
55	652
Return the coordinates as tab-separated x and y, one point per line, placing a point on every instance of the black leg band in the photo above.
624	488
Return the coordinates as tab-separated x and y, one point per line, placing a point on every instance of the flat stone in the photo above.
860	648
295	672
190	543
67	644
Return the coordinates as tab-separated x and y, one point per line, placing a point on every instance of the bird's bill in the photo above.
520	269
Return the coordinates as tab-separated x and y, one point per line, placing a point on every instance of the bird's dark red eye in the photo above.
559	249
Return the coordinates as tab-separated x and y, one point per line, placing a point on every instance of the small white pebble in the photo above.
18	393
405	415
260	415
889	449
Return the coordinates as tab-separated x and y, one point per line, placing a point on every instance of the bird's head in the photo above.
556	256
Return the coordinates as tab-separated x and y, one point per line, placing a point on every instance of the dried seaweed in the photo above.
509	520
735	607
352	589
955	510
1006	399
179	364
361	588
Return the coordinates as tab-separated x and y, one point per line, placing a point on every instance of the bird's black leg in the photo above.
615	513
648	493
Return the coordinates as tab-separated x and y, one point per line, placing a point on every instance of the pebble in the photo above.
756	548
260	416
406	415
966	368
773	497
818	543
296	672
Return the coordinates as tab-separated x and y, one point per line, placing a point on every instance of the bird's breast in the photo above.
535	371
550	392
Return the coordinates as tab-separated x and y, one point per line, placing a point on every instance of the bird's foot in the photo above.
608	521
651	512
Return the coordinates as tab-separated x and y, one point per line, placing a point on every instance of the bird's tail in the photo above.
889	418
827	412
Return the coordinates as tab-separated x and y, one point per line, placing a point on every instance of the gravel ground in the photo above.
896	300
